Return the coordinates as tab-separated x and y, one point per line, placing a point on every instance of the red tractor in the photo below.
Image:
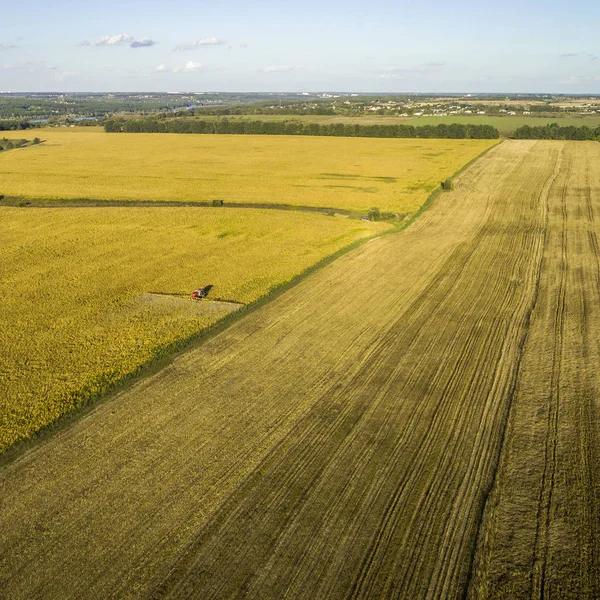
201	292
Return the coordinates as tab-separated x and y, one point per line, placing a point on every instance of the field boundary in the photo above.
440	190
165	355
187	298
32	202
41	202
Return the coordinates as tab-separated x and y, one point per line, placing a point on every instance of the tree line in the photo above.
16	125
6	144
554	131
225	126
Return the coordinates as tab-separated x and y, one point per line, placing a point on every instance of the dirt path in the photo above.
420	419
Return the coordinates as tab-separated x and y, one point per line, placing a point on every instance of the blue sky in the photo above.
300	45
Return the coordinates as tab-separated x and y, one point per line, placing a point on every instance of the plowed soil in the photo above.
419	419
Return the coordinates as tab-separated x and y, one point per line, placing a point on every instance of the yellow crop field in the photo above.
351	173
75	309
419	419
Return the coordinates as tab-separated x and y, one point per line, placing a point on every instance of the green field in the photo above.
507	125
322	119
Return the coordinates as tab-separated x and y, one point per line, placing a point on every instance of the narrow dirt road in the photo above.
420	419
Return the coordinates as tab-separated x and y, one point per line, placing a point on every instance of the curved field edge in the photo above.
380	488
313	408
106	388
41	202
340	441
75	306
351	174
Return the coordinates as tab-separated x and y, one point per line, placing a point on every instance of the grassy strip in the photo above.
26	202
109	389
432	197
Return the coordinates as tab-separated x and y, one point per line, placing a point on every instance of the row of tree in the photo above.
224	126
15	125
554	131
6	144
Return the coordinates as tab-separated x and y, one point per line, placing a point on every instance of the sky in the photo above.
300	46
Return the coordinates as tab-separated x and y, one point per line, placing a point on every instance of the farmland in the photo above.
418	419
77	315
507	125
351	174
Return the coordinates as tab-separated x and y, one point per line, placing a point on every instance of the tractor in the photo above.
201	292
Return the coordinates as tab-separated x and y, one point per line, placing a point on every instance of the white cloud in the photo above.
111	40
200	44
7	46
279	69
62	75
121	39
588	55
189	67
143	43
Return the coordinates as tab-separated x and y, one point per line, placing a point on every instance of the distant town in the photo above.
60	109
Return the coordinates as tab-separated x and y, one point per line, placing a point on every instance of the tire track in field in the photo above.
322	431
542	546
127	487
304	559
537	256
540	533
588	443
345	440
443	561
424	514
590	438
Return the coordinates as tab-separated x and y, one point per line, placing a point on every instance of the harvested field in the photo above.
202	308
348	173
420	419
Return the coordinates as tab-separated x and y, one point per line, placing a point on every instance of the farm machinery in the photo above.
201	292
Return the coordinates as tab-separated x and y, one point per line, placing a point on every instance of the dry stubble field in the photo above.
420	419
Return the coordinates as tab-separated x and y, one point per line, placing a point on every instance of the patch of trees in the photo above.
545	108
15	125
283	108
6	144
225	126
554	131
